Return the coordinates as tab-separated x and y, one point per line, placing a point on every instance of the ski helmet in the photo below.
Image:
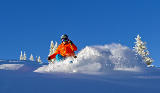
64	36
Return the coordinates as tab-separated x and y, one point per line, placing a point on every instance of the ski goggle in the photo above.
64	39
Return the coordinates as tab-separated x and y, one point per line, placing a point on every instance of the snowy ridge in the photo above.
99	59
23	66
11	66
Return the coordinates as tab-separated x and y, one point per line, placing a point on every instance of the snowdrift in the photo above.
99	60
21	66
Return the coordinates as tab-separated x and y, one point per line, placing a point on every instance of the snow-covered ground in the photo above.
98	60
98	69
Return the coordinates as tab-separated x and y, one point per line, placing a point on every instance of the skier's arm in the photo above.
73	46
54	55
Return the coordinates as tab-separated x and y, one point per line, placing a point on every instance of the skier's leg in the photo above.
59	57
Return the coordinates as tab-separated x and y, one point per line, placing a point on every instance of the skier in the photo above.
65	49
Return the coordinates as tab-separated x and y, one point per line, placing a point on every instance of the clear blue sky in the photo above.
31	25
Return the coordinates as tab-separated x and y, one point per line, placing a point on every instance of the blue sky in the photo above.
31	25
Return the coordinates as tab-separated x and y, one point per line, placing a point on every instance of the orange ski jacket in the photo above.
65	50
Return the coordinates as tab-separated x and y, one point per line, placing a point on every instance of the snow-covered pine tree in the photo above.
39	59
21	56
31	58
24	57
141	49
53	49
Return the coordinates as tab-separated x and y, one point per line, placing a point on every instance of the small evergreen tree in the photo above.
141	49
25	57
39	59
31	58
53	49
21	56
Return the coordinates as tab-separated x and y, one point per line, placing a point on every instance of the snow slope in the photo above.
98	69
98	60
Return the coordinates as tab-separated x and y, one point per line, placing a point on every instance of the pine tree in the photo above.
39	59
141	49
31	58
53	49
25	57
21	56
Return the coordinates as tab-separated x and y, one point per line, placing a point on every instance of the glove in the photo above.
49	58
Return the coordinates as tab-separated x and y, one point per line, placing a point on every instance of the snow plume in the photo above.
99	59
